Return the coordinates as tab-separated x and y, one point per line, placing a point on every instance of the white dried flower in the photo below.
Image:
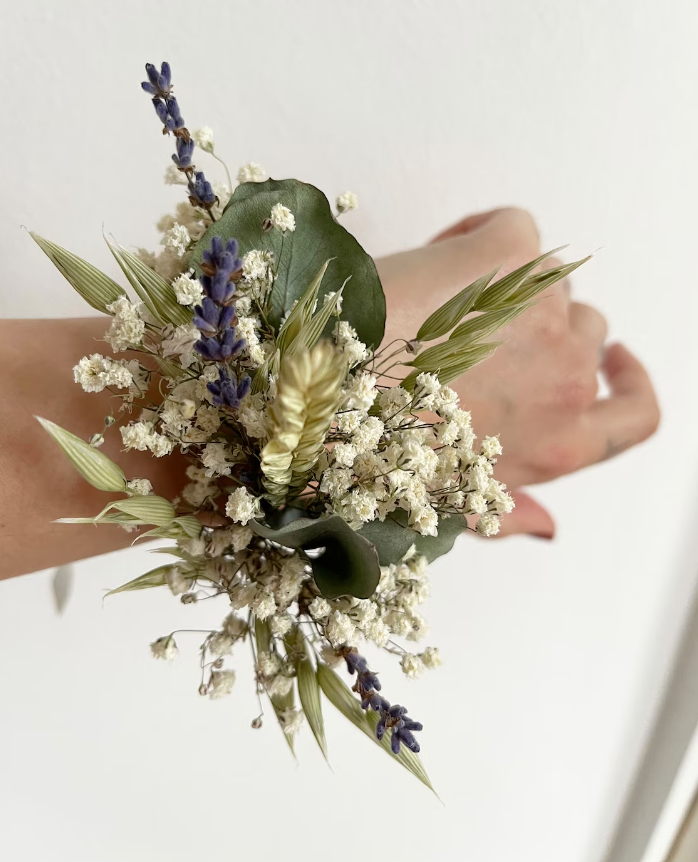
368	435
216	459
137	435
242	506
330	656
164	648
361	391
264	605
203	138
476	503
426	389
251	173
95	373
425	521
329	297
431	658
347	340
319	608
490	447
412	666
127	327
346	202
291	720
188	290
177	239
221	683
235	626
140	487
281	624
445	402
392	403
247	329
282	218
220	644
160	445
173	176
340	629
488	525
176	581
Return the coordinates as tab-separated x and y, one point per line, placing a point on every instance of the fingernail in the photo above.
548	536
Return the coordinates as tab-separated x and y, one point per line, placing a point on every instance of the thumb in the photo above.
529	518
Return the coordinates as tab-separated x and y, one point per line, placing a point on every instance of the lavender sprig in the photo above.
215	319
159	86
392	718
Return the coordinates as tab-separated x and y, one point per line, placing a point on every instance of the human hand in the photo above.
539	391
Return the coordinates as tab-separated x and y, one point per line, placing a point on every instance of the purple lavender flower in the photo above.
394	718
185	150
227	390
215	318
159	83
200	191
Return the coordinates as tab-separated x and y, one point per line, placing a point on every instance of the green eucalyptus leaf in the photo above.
349	564
93	465
301	253
339	694
94	286
153	578
393	538
448	315
148	509
158	296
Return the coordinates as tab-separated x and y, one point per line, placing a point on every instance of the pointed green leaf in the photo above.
301	253
158	296
189	525
341	697
93	465
490	321
541	280
153	578
301	313
448	315
168	368
148	509
94	286
449	353
310	334
349	564
501	291
309	695
262	634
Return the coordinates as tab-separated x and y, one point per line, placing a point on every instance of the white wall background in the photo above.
583	111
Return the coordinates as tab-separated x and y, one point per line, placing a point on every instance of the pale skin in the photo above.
539	392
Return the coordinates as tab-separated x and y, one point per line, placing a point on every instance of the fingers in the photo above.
507	222
528	518
589	324
631	414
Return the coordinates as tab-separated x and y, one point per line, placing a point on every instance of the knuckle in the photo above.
576	393
649	421
523	227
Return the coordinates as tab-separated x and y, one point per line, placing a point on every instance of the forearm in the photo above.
37	483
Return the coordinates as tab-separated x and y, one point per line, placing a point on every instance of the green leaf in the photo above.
189	525
448	315
270	366
451	352
341	697
392	538
310	334
349	564
153	578
168	368
148	509
94	286
301	312
301	253
279	702
158	296
93	465
501	291
541	280
309	694
485	324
